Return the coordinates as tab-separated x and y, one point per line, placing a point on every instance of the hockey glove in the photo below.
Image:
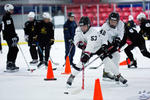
51	41
15	41
71	41
85	57
81	45
35	38
103	49
116	41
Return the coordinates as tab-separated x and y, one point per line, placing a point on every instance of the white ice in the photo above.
24	85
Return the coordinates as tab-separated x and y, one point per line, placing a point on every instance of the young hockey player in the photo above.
9	34
30	36
144	25
45	37
92	42
131	21
114	29
133	39
69	33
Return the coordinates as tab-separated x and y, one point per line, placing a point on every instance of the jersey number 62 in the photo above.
93	38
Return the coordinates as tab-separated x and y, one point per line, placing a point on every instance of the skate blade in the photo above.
121	84
107	80
11	71
34	64
38	67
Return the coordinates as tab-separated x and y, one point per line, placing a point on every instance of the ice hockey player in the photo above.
69	33
114	29
9	34
30	36
0	38
144	25
131	21
91	42
133	39
45	37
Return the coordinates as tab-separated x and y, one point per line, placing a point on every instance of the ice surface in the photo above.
24	85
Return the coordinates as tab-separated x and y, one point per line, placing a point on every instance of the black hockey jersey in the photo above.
145	28
132	35
8	27
30	29
45	32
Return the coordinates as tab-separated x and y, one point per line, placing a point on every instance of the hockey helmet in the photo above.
141	16
31	15
85	21
70	14
8	7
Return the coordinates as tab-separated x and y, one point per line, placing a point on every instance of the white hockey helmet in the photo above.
8	7
130	17
46	15
141	16
31	15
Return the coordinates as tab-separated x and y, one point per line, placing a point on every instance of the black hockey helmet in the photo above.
131	24
70	14
114	16
84	20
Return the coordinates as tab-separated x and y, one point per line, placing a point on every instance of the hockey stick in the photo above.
97	66
53	61
69	53
44	56
102	62
29	69
82	76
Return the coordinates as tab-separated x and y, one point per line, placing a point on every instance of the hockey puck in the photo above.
66	92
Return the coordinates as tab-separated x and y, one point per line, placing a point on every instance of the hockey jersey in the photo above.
92	38
145	28
111	33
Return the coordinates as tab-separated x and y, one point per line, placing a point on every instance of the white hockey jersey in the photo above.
92	38
113	32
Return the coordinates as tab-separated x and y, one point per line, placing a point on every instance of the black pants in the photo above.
41	48
12	52
142	49
67	49
33	51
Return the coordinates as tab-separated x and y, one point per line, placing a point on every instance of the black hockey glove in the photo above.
81	45
51	41
71	41
116	41
85	57
103	49
14	41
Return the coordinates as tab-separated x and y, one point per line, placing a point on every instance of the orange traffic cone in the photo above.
50	75
126	62
97	91
67	68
